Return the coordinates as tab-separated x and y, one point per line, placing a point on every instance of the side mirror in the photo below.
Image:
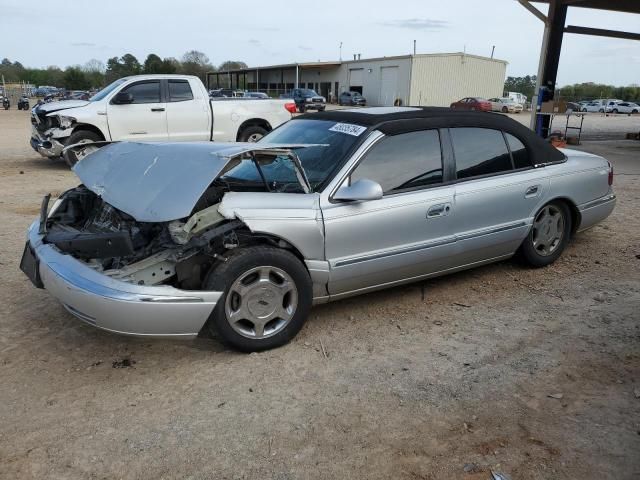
122	98
363	189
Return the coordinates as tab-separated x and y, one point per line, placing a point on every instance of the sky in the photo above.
266	33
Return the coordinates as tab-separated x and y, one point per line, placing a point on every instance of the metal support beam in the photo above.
599	32
534	10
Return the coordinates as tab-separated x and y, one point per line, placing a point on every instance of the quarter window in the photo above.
518	152
179	91
410	160
144	92
479	151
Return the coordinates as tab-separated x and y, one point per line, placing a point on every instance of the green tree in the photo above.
75	79
130	64
231	65
153	64
525	85
196	63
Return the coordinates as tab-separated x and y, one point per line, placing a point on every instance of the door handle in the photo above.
439	210
157	109
531	191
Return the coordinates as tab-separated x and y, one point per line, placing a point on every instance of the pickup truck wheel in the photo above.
321	109
301	109
252	134
81	136
549	235
267	297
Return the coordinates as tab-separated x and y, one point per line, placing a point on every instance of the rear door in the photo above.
496	193
143	119
404	235
188	112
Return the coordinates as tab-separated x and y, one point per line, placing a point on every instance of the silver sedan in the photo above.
171	240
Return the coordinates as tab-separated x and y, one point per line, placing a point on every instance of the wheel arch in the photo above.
253	122
576	217
89	128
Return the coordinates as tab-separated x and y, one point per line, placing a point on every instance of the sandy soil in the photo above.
533	373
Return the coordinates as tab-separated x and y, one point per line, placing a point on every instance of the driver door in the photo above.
144	119
405	234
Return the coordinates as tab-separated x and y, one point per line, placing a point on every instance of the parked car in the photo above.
224	93
307	99
472	103
152	108
23	103
241	239
623	107
352	98
593	107
255	95
504	105
76	95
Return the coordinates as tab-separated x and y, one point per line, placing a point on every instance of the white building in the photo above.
425	79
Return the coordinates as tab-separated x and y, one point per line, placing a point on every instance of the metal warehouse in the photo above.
423	79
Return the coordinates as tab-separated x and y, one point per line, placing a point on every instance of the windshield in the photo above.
107	90
276	172
320	161
305	92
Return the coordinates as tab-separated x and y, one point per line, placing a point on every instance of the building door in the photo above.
324	89
356	79
388	85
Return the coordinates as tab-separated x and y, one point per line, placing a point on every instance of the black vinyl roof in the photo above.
397	120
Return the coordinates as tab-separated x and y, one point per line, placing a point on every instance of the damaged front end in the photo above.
147	214
49	132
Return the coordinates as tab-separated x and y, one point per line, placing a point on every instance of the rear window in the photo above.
479	151
179	91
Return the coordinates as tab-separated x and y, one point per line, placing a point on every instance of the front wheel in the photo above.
267	297
252	134
549	235
73	156
301	108
615	110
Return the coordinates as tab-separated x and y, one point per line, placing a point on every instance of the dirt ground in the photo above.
532	373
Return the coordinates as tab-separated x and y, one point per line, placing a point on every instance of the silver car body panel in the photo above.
348	247
158	182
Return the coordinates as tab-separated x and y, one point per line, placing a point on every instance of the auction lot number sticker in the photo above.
348	128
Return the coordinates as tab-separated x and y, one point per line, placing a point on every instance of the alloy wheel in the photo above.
548	230
261	302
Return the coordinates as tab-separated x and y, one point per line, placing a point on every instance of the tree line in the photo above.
96	74
575	92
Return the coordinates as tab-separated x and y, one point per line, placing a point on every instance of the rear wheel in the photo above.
73	156
267	297
252	134
549	235
615	110
505	110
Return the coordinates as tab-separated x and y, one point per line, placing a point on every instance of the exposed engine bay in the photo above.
178	253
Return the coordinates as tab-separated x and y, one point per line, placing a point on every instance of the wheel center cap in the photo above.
262	302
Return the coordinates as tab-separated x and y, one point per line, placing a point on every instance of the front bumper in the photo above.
50	148
314	106
117	306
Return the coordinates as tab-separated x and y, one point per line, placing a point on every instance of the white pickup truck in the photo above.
152	108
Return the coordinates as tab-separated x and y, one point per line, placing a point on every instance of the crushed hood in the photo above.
61	105
159	182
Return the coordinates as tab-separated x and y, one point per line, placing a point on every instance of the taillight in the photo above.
610	174
290	107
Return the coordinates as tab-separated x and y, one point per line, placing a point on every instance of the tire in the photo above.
601	110
540	250
505	110
633	112
244	269
615	110
79	136
321	109
301	108
252	134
